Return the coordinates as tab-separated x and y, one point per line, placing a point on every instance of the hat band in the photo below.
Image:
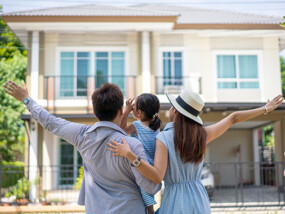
187	107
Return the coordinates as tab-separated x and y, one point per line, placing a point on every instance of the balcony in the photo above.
72	94
175	84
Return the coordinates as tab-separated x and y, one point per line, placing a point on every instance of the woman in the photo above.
180	151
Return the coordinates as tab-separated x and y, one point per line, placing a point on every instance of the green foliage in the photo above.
268	136
9	43
21	189
282	65
13	65
283	24
11	173
78	183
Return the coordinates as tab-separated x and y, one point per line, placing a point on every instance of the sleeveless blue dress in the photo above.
184	191
147	136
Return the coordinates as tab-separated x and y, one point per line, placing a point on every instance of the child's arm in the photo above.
123	123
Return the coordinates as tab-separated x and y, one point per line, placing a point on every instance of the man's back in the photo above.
114	188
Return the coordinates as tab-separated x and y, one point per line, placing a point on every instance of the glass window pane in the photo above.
101	71
66	54
83	70
177	54
101	54
248	66
118	71
227	85
118	54
166	54
66	164
226	66
66	74
166	72
249	84
83	54
178	71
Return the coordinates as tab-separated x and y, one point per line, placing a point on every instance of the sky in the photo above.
265	7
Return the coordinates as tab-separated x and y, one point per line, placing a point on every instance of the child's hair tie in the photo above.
155	115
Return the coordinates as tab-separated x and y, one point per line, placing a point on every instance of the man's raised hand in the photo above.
16	91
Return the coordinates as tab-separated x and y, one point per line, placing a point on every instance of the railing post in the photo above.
90	89
50	93
236	186
131	87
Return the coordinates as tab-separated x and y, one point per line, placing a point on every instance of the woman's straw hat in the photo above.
189	104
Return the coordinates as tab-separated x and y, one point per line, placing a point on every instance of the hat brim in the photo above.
181	110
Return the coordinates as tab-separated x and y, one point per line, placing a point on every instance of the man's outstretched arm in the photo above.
71	132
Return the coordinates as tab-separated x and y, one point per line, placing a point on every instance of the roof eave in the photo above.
89	18
227	26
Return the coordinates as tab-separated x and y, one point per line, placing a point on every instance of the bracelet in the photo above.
266	110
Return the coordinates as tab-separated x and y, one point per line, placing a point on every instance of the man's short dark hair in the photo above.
107	101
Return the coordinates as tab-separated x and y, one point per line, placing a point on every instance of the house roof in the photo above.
93	10
185	14
192	15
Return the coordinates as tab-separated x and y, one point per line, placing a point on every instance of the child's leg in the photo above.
150	209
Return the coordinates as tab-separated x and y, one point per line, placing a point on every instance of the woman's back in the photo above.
184	192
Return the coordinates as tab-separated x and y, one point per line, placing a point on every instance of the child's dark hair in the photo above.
149	104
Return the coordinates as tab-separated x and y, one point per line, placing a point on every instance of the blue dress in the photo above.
184	191
147	136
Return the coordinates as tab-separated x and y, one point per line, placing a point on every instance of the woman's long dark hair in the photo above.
149	105
189	139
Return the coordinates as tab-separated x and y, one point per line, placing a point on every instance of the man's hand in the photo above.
16	91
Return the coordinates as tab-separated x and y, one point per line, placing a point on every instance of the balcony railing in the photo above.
75	91
174	84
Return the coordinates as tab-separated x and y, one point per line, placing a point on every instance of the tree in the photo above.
13	65
282	63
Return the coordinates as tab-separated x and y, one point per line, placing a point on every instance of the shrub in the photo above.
11	173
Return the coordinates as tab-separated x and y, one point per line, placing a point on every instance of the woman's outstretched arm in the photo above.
154	173
216	130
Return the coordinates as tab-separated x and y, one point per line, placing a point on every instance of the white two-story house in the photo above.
231	59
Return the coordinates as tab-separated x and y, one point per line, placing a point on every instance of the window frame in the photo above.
159	71
238	53
92	51
75	164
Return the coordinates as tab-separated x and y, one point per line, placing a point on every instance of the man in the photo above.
110	184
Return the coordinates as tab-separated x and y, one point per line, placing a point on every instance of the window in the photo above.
69	163
110	67
172	68
237	71
73	82
77	67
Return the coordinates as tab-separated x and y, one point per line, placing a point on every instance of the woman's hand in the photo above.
16	91
120	149
129	105
273	104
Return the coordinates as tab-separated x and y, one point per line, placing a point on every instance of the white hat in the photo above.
189	104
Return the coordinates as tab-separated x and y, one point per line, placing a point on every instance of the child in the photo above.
145	110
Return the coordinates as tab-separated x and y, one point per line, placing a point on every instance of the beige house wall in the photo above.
224	149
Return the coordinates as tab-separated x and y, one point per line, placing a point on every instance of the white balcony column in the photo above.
255	140
146	81
33	147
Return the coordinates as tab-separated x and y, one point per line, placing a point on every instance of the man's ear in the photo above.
121	111
94	114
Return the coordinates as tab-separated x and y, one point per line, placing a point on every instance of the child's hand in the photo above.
129	105
120	149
